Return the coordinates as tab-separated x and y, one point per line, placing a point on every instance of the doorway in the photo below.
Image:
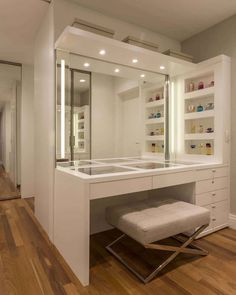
10	85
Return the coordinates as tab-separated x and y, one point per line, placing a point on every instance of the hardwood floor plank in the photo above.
30	264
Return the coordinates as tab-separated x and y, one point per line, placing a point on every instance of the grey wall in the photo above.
220	39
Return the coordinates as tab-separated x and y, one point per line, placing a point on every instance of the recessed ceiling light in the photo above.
134	61
117	70
102	52
162	67
82	80
86	65
142	75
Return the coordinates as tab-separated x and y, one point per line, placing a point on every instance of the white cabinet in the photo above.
211	192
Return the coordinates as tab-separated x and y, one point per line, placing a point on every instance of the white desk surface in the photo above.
134	172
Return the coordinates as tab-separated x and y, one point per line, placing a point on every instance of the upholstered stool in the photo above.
151	220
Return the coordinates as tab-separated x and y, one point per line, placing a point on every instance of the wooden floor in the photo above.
7	188
29	264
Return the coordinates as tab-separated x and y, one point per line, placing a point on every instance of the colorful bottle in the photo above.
200	108
208	149
153	148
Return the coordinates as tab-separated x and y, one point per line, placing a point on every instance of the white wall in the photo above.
220	39
66	12
44	104
27	132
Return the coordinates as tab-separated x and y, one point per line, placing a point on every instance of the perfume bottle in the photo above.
193	128
202	148
201	129
208	149
200	85
200	108
158	114
153	148
191	87
158	97
191	108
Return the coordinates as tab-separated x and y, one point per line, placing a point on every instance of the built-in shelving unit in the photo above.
81	129
154	104
199	114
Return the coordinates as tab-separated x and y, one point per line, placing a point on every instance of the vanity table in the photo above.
77	187
154	127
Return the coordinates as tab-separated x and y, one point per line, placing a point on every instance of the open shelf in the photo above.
199	136
155	103
155	138
200	93
155	121
199	115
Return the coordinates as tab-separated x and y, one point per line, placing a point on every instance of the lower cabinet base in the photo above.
212	230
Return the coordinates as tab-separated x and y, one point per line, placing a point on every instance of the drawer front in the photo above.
209	185
211	220
211	197
220	213
211	173
173	179
126	186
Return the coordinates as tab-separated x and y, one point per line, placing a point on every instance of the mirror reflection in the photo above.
106	110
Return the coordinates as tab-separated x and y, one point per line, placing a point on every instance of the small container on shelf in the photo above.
208	149
191	108
158	97
158	114
200	85
200	108
191	87
202	148
150	99
212	84
209	106
153	148
209	130
201	129
158	131
193	128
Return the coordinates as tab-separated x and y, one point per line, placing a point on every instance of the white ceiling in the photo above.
178	19
19	22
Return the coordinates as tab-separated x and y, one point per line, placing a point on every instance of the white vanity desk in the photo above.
202	184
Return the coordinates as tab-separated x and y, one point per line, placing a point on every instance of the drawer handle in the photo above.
213	181
213	219
213	207
213	170
214	194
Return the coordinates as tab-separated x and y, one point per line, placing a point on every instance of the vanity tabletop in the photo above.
101	170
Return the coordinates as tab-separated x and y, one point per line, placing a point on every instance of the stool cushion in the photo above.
152	220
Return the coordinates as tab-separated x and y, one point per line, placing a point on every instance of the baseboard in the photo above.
232	221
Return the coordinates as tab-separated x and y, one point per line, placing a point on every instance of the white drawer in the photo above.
120	187
165	180
211	197
211	173
211	185
219	214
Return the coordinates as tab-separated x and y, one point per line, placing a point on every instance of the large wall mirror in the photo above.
106	110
